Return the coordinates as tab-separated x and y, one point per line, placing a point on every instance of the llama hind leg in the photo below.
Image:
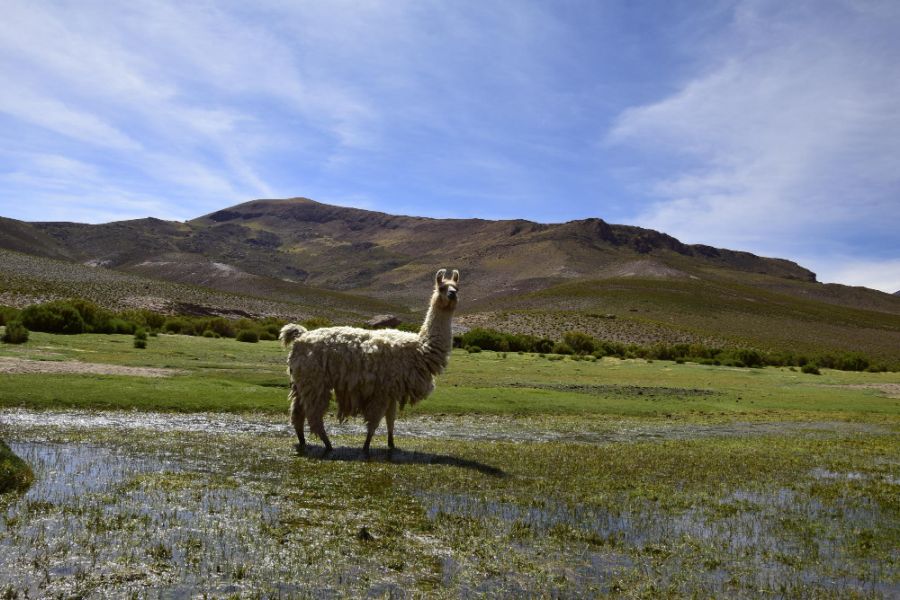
389	416
373	419
298	415
316	405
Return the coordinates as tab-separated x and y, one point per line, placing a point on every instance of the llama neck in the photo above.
435	336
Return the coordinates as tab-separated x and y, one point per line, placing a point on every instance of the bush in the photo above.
248	335
15	333
580	343
316	323
473	349
810	369
8	313
53	317
140	334
562	348
140	343
209	333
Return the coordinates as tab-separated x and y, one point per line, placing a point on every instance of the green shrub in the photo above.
140	334
209	333
473	349
268	337
810	368
53	317
543	345
247	335
562	348
580	343
15	333
316	323
8	313
140	343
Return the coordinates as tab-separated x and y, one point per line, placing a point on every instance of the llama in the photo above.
370	371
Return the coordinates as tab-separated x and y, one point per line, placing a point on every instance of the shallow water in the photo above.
174	512
482	428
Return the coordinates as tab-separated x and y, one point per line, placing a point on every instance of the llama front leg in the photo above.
390	416
298	415
374	414
315	406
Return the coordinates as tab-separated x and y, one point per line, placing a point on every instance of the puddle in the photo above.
173	515
455	427
753	537
100	520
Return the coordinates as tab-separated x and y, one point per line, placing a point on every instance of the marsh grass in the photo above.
804	513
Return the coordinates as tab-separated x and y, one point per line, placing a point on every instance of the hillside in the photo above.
27	279
616	281
391	256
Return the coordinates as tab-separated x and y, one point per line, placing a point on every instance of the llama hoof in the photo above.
300	448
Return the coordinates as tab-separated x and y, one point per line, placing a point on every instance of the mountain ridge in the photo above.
300	257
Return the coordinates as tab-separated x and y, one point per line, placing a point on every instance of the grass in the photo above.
225	375
15	474
578	479
715	311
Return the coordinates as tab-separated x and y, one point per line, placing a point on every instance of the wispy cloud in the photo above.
786	142
749	124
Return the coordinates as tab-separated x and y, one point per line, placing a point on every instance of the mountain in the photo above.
390	256
517	274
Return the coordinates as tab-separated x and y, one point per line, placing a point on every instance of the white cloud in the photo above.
876	274
787	141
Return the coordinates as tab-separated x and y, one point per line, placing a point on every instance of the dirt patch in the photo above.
18	366
891	390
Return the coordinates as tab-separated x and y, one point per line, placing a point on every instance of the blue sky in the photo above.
757	125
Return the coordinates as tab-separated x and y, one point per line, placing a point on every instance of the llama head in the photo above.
446	289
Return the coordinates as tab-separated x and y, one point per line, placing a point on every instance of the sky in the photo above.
766	126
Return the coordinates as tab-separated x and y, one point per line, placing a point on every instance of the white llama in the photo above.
370	371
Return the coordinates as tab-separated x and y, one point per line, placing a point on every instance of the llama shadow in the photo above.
347	454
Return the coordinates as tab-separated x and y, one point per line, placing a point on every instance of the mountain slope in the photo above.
517	274
392	257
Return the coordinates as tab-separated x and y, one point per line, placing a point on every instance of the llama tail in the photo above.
289	333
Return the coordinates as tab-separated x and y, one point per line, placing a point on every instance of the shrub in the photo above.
580	343
15	333
140	334
140	343
53	317
810	369
316	323
562	348
473	349
219	326
543	345
268	337
209	333
8	313
248	335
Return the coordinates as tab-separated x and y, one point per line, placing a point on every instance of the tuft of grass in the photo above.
15	474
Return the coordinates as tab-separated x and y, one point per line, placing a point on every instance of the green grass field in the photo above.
225	375
520	476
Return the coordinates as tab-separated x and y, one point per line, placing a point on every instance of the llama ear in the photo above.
455	277
439	276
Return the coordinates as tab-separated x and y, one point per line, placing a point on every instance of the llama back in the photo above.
365	368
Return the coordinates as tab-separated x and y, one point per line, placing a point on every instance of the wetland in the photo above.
645	479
